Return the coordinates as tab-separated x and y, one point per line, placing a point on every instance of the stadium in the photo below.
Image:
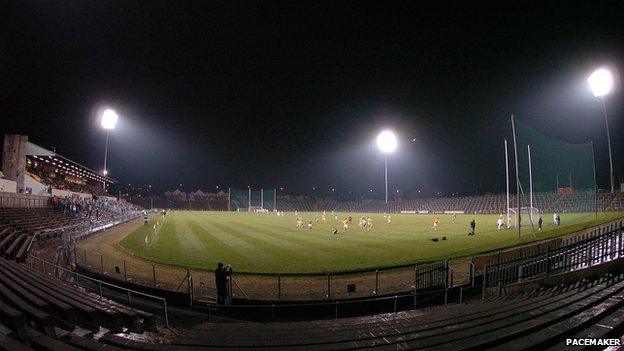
212	238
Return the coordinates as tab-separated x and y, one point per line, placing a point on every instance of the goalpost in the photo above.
537	171
251	200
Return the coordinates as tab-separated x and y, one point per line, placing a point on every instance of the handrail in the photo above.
342	302
597	249
31	243
101	282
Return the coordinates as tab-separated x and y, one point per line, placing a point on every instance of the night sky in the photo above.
290	94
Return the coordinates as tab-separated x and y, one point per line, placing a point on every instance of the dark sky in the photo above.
290	94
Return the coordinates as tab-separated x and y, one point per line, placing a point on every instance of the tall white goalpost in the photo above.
530	184
508	218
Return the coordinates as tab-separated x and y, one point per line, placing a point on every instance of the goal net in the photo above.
250	200
528	216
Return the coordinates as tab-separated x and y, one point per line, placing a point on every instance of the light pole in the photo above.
387	143
601	82
109	120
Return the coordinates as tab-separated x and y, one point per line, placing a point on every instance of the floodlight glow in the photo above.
109	119
600	82
105	172
386	141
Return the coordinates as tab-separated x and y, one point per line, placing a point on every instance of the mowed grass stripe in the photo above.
356	243
218	248
324	243
228	243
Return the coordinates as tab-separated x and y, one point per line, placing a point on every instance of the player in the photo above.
436	221
389	219
540	222
500	222
335	217
555	218
369	224
454	217
473	224
309	225
345	223
324	217
299	222
362	222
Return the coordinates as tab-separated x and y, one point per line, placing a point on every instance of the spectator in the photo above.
221	279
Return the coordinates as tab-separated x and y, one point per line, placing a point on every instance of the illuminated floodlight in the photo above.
104	172
109	119
600	82
386	142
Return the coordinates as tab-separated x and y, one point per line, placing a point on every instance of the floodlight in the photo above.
600	82
109	119
386	141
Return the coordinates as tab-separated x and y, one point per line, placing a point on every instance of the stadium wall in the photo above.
22	200
8	186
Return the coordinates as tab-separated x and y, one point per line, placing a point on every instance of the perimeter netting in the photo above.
556	177
555	164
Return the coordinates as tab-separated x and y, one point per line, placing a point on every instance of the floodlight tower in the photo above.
109	120
387	143
601	83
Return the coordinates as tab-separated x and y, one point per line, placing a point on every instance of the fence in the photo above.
578	254
272	287
74	277
345	308
81	231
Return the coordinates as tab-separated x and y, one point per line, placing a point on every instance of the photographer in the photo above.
221	279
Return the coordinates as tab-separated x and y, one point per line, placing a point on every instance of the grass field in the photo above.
266	243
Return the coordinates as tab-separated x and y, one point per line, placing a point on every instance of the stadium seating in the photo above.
546	202
539	320
41	311
20	227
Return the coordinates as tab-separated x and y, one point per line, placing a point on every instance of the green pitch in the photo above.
266	243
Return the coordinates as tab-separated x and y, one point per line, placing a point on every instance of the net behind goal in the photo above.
528	216
250	200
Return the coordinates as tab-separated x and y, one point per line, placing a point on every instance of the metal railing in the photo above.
272	287
575	256
56	271
344	308
81	231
